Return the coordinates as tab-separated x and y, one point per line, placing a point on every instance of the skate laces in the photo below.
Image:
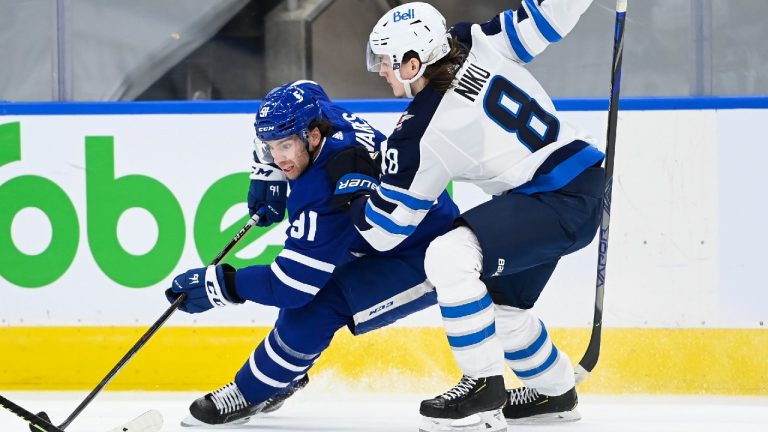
460	389
228	399
522	395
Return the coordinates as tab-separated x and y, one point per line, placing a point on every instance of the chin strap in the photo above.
408	91
407	83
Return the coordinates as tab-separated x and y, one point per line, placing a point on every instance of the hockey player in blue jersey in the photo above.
479	116
326	276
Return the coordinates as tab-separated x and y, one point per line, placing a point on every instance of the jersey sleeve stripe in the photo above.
514	39
544	26
307	261
405	199
377	219
291	282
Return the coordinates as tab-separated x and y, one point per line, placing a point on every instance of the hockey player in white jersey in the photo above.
326	277
478	115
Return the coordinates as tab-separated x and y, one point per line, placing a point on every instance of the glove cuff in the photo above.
230	289
215	287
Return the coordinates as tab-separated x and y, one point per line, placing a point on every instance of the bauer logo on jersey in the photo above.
403	16
500	267
351	183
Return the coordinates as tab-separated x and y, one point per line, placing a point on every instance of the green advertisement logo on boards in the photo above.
107	198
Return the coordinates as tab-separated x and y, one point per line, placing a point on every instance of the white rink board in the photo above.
687	241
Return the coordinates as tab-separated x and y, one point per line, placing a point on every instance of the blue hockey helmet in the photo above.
286	110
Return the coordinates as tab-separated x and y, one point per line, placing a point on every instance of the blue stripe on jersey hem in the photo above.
514	38
545	28
544	366
531	349
407	200
347	184
472	338
562	174
466	309
386	224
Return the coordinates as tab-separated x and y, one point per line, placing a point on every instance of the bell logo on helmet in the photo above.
404	16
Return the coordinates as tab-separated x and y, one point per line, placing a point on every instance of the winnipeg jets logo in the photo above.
299	97
264	111
403	119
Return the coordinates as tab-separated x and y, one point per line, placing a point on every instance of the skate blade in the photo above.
488	421
192	422
150	421
561	417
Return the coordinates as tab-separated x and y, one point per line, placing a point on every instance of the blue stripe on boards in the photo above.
466	309
545	28
544	366
364	106
472	338
514	38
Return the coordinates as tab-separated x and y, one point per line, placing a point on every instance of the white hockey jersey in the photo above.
496	128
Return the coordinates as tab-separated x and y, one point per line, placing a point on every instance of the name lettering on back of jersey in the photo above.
473	80
364	132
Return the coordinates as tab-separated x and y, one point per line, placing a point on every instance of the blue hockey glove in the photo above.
267	194
354	174
206	287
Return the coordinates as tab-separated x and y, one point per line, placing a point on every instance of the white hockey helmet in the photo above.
416	26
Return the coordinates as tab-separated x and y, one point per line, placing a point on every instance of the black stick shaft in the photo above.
152	330
592	353
35	421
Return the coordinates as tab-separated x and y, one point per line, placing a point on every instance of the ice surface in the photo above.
320	410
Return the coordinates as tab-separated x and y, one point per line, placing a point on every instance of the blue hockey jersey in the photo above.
321	238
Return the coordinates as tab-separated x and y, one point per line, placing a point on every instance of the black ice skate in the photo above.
275	402
527	406
225	406
481	396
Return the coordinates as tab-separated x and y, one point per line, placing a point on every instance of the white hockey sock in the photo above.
453	264
530	353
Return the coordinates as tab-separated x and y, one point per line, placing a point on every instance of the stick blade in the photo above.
150	421
42	415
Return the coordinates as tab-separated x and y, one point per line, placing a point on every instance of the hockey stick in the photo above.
41	421
592	353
